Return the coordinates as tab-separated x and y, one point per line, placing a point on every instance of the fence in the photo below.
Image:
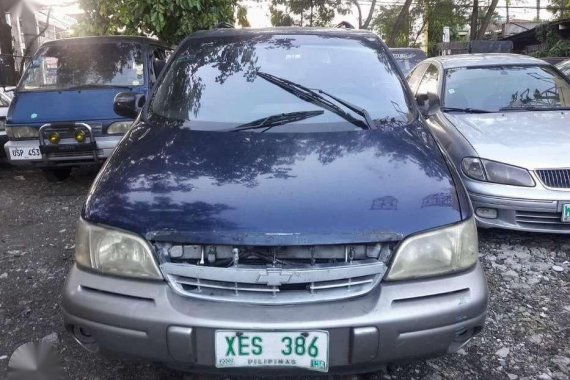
477	46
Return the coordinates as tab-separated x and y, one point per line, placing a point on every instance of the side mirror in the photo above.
128	104
428	104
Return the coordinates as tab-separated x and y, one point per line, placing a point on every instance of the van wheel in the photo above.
57	174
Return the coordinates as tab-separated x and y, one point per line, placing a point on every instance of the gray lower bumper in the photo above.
396	321
531	215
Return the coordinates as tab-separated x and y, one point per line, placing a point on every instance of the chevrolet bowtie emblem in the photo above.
274	277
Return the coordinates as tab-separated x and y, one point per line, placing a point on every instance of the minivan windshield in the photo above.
504	88
224	82
76	65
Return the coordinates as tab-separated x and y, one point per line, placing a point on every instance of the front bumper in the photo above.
105	146
535	209
396	321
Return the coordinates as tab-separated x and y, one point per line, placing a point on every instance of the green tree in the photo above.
169	20
383	25
559	8
306	12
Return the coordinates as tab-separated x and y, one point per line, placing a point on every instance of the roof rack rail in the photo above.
224	25
345	25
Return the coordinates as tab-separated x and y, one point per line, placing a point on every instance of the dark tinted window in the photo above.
428	85
70	64
213	84
496	87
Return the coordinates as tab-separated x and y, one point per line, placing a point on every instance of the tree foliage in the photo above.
169	20
306	12
560	9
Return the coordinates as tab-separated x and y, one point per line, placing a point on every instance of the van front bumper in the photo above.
105	145
396	321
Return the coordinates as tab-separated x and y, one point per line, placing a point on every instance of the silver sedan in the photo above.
504	122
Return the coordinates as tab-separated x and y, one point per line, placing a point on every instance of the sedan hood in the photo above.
174	184
532	140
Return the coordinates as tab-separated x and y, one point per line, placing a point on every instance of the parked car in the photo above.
564	67
260	216
503	119
62	113
408	58
4	104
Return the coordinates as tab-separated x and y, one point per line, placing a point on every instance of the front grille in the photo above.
541	220
555	178
87	154
285	278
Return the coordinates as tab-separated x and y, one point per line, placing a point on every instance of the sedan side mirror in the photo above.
128	104
428	104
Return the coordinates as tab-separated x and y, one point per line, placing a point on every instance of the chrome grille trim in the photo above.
270	285
554	178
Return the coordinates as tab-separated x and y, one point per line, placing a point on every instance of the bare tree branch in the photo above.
399	21
487	19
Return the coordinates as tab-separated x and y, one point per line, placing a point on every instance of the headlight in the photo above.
496	172
16	133
114	252
438	252
119	127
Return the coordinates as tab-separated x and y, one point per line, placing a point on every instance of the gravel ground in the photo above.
527	335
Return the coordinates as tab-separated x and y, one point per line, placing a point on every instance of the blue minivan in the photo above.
62	113
279	206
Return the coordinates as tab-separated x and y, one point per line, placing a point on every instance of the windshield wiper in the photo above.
92	85
275	120
533	108
466	110
313	96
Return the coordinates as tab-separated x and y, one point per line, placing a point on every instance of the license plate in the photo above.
30	152
301	349
566	212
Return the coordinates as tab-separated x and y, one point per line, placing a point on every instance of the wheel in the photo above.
57	174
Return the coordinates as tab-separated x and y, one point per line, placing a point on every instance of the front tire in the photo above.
57	174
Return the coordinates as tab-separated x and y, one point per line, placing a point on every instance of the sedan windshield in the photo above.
225	82
73	65
502	88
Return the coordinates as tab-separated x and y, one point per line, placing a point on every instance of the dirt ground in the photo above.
527	335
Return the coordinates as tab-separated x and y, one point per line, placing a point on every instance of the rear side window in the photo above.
415	77
428	85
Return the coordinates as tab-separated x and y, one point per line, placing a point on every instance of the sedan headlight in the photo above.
119	127
114	252
496	172
442	251
17	133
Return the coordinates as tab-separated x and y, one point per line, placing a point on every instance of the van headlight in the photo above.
18	133
438	252
496	172
115	252
119	127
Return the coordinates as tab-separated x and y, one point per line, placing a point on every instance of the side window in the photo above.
157	56
415	76
428	85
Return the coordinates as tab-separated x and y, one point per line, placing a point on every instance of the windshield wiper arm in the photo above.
93	85
275	120
313	96
533	108
467	110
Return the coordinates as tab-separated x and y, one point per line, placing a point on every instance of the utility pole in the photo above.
538	10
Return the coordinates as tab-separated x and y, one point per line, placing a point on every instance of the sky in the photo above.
258	11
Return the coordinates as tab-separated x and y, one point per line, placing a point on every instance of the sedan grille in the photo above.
288	278
551	221
555	178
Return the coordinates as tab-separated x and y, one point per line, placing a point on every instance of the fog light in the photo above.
80	135
53	138
488	213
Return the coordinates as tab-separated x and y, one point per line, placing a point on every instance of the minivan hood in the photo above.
49	106
529	139
172	183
